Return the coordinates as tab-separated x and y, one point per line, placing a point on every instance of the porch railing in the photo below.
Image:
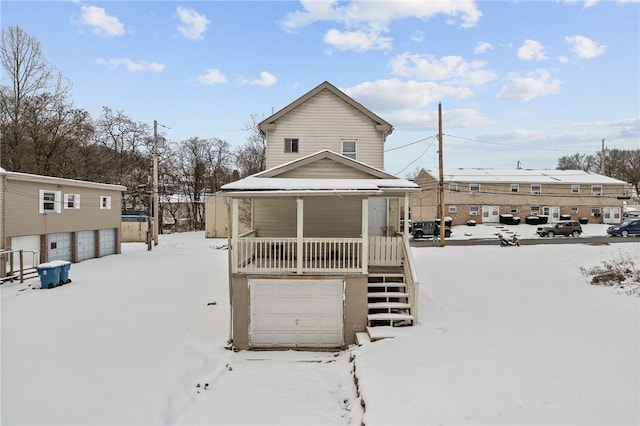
410	278
319	255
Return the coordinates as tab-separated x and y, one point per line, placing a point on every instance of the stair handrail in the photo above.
411	278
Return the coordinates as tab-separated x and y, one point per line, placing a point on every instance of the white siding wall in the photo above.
321	123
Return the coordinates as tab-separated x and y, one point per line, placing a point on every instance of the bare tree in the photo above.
29	77
577	161
250	158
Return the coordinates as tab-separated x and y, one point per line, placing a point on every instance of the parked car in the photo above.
428	228
625	229
564	227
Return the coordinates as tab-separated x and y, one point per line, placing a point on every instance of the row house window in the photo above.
596	190
536	189
474	210
575	189
515	187
474	188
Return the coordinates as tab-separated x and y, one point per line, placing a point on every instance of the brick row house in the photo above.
316	259
484	195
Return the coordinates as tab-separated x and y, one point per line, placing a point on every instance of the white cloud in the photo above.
368	19
192	24
531	86
482	47
583	47
531	50
266	80
131	65
211	77
453	69
100	22
395	94
356	40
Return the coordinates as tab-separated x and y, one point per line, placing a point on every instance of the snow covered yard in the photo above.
506	336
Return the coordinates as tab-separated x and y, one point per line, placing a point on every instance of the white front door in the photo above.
377	217
553	212
611	215
296	313
490	214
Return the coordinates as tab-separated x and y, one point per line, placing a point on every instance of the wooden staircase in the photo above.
388	307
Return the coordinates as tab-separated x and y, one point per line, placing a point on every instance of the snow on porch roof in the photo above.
253	183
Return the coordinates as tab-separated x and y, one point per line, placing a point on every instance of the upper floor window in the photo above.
596	189
474	188
105	202
575	189
349	148
50	201
536	189
71	201
515	187
453	187
290	145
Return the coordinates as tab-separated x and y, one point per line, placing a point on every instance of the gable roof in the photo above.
523	176
381	124
373	181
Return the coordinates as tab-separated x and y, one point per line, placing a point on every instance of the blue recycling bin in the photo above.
65	266
49	275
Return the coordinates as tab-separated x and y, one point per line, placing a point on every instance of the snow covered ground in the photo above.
506	336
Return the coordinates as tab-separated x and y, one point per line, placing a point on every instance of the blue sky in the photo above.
519	81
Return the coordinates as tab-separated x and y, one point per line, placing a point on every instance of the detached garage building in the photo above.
59	219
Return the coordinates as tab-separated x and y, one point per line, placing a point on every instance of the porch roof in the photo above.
309	186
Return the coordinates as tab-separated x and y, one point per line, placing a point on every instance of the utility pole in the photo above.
602	156
441	180
155	182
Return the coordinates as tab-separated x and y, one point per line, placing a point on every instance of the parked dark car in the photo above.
564	227
625	229
428	228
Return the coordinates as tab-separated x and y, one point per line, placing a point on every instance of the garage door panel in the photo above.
291	313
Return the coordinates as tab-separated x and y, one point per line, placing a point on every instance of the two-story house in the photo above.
57	219
483	195
322	260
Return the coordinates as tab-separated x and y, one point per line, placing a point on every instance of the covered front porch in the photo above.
316	234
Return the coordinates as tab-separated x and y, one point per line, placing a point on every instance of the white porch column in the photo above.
299	234
234	235
406	215
365	235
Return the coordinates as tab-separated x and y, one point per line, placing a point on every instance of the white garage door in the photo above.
107	242
86	245
296	313
60	246
31	247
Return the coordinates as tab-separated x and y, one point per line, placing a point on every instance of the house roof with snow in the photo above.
18	176
540	176
322	172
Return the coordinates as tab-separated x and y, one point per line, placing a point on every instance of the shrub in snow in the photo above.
621	272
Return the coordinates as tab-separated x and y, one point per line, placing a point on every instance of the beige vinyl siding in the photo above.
321	123
23	217
327	169
326	217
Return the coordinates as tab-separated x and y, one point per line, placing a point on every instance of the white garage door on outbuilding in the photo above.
296	313
86	245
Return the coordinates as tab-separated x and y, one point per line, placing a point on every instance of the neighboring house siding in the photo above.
321	123
23	216
577	205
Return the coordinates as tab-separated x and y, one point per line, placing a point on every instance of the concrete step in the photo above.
388	305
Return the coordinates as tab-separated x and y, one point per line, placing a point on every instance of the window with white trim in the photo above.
596	190
474	210
453	187
291	144
575	189
574	210
105	202
596	212
71	201
50	201
536	189
453	209
350	148
515	187
474	188
535	210
513	209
